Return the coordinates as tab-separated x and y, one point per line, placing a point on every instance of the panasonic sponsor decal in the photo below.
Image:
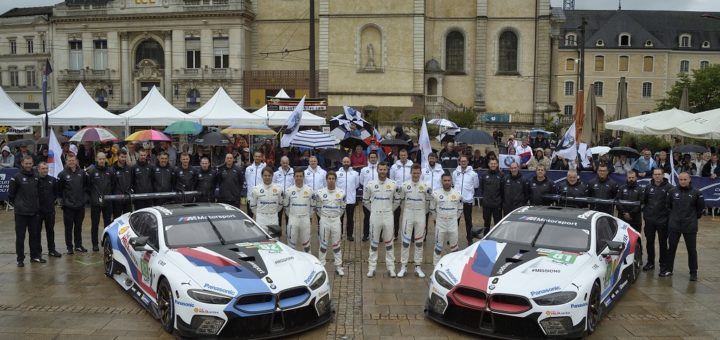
545	291
184	304
578	305
219	289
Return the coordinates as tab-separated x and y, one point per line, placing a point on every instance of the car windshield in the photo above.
542	234
197	230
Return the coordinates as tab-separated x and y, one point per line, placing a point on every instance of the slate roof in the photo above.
27	12
86	2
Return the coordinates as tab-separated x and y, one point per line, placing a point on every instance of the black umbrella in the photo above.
20	142
352	142
624	151
394	142
333	154
213	139
690	148
417	148
474	137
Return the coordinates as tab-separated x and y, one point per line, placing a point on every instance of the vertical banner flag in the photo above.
567	147
673	173
55	165
424	141
46	73
293	124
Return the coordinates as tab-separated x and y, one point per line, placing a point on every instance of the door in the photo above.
145	223
606	230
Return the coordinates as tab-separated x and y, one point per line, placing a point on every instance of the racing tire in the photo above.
111	266
593	309
637	263
166	306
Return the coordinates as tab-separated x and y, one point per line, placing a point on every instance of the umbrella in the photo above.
536	132
148	135
687	148
333	154
183	127
684	102
621	107
249	129
352	142
394	142
94	134
474	137
590	128
624	151
442	122
69	133
449	134
213	139
600	150
20	142
312	139
46	140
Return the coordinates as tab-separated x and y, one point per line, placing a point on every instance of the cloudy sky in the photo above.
682	5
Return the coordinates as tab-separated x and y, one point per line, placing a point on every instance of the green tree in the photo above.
703	90
463	118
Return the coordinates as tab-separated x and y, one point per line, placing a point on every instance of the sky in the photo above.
680	5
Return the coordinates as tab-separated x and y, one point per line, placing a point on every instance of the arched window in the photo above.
455	52
685	40
570	39
432	87
193	98
570	64
507	56
624	40
101	97
150	49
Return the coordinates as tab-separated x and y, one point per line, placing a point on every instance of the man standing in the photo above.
540	186
23	195
266	200
432	173
99	183
330	204
368	174
163	177
253	176
656	218
185	176
383	197
283	178
71	187
348	181
686	205
524	151
415	196
573	188
631	192
603	187
449	157
298	205
515	190
399	173
230	180
206	181
47	193
446	206
142	179
314	175
491	187
122	183
711	168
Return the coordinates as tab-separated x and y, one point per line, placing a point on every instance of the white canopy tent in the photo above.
280	118
656	123
12	115
705	125
221	110
154	110
80	109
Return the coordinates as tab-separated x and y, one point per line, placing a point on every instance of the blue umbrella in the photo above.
69	133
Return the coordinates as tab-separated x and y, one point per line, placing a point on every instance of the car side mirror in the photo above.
274	230
139	243
613	248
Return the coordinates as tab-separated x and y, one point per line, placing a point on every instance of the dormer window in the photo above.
600	43
648	43
570	39
706	44
624	40
685	40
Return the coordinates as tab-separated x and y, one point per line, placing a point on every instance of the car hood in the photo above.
499	267
246	268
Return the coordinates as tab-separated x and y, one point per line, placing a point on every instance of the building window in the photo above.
623	63
568	110
455	52
221	52
43	45
192	98
508	53
30	46
685	40
704	64
706	44
192	53
624	40
101	97
569	88
648	43
570	39
648	64
13	46
31	77
644	112
101	54
684	66
600	43
14	77
599	63
570	64
647	89
599	88
76	57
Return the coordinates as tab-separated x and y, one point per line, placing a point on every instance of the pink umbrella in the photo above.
148	135
94	134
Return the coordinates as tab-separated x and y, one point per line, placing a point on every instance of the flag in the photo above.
506	160
293	124
46	73
673	172
567	147
55	166
424	141
377	135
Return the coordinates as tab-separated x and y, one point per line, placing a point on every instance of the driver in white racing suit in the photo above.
330	205
298	205
266	200
383	197
447	207
415	196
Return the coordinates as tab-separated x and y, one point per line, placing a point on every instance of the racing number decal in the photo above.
145	268
558	257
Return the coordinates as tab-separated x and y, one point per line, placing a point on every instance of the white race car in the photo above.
209	270
542	272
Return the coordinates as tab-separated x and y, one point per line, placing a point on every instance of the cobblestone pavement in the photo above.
69	298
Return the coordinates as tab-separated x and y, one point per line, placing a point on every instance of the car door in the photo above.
145	223
606	230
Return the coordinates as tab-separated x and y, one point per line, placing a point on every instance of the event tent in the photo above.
154	110
705	125
280	118
13	115
221	110
80	109
656	123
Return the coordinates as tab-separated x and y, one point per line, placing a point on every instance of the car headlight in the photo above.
558	298
442	280
319	280
206	296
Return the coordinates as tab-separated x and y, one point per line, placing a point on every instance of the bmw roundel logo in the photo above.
293	192
262	191
508	161
409	187
376	186
441	196
325	196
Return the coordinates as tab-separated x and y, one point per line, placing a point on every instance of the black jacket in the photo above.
515	192
231	182
630	193
606	189
163	178
655	201
185	179
23	193
666	167
71	186
122	179
686	207
705	170
142	178
538	189
579	189
491	189
100	183
206	183
47	192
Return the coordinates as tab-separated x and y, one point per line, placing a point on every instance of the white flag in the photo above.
55	166
424	141
567	147
293	124
507	160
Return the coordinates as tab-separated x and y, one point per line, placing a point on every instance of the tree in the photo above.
463	118
703	90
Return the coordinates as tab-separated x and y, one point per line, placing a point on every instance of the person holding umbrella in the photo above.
230	179
100	178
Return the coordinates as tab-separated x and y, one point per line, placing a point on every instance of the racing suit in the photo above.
415	197
265	202
399	173
253	178
367	174
447	207
330	205
298	205
284	179
383	197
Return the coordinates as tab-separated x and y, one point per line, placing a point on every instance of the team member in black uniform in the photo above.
572	187
491	187
47	192
122	183
23	195
540	186
656	218
603	187
515	190
230	180
71	186
142	175
631	192
206	181
185	176
686	205
100	178
163	176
